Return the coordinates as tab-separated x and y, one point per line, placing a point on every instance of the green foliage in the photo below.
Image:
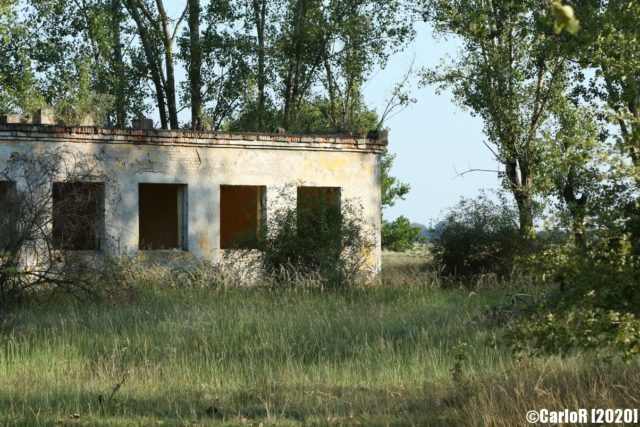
399	235
325	240
594	295
317	116
575	165
392	188
564	17
256	66
594	304
509	72
478	236
79	104
19	91
49	42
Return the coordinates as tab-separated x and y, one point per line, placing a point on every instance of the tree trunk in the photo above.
333	114
525	214
195	65
577	207
521	184
118	66
260	16
152	60
294	60
170	86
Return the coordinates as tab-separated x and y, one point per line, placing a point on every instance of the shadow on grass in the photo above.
269	404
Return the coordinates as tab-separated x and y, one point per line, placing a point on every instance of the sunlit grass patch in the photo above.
377	356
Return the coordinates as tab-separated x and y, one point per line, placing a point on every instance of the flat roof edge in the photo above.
375	142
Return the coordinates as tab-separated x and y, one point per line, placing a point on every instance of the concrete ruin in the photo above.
192	192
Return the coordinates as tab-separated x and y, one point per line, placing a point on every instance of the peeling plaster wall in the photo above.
204	161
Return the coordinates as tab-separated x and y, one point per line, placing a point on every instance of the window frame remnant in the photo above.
310	197
149	225
319	220
8	214
77	217
241	226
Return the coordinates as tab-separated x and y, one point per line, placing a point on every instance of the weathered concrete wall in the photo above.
204	162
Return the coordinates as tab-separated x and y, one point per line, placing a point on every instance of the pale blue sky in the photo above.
434	139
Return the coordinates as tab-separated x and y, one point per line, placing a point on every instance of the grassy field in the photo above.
406	353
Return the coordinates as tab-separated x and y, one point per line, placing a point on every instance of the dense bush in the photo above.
478	236
592	291
325	241
399	235
593	302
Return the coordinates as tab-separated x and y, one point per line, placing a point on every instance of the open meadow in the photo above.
404	353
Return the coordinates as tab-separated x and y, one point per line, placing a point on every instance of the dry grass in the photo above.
190	348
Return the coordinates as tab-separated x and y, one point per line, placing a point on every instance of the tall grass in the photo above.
232	356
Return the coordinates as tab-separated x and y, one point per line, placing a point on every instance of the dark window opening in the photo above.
77	215
8	214
242	214
318	211
162	210
318	207
319	224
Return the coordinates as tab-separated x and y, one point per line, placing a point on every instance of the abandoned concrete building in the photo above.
192	192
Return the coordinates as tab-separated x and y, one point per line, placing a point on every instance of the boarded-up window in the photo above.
241	215
162	216
77	215
7	214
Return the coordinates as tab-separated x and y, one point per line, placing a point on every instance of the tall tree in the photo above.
219	60
195	65
157	37
574	161
259	8
510	70
609	43
19	89
63	45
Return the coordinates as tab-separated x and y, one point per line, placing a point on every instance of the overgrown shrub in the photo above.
593	303
30	259
324	241
399	235
478	236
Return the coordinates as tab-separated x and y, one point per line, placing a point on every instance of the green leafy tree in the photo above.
18	85
575	164
392	189
478	236
510	70
398	235
78	104
309	60
608	44
157	35
49	41
594	297
216	49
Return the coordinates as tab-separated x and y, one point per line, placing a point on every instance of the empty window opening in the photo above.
242	212
8	214
318	210
77	215
162	216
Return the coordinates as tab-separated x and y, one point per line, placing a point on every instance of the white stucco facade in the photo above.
202	163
